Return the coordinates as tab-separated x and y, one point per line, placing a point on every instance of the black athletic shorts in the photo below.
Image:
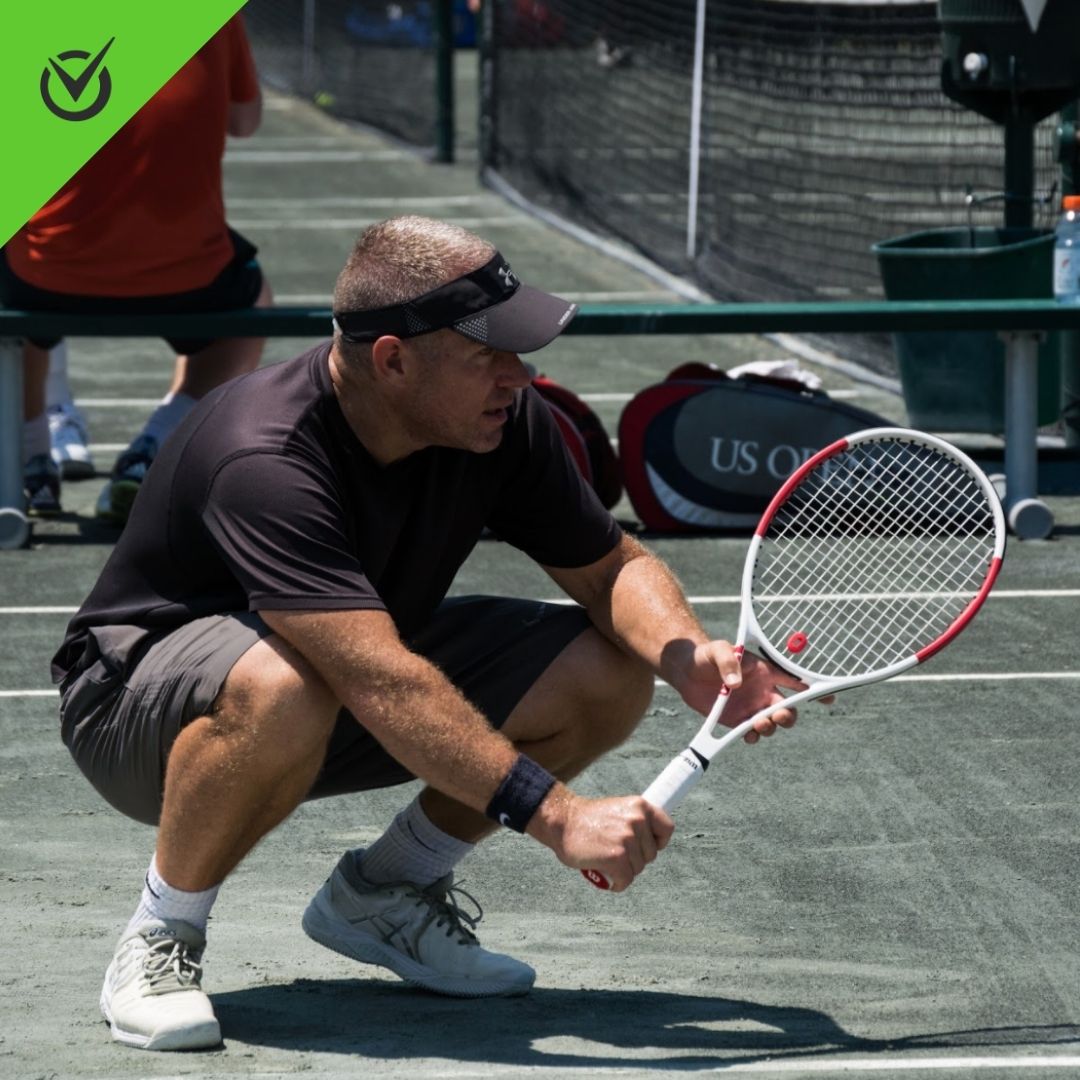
120	731
237	286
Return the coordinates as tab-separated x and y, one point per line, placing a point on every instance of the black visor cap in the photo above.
488	305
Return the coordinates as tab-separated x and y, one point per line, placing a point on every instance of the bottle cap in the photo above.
1071	202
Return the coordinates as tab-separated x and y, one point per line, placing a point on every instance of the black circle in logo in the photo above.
91	110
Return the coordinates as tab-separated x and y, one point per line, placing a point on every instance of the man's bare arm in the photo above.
633	598
415	712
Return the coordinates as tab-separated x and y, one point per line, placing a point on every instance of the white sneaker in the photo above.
421	934
68	439
152	997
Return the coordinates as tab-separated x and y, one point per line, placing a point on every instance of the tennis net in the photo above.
819	129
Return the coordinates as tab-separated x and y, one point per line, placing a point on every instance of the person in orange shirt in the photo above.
141	229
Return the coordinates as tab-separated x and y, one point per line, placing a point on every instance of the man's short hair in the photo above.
404	257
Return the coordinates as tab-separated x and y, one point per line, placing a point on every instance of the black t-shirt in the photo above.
265	499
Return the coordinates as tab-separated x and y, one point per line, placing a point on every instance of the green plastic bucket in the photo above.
955	380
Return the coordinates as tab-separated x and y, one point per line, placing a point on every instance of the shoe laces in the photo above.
450	915
169	966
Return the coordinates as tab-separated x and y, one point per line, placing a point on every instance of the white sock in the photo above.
173	409
161	900
57	389
412	849
35	437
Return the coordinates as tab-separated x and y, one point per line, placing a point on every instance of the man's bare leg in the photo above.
234	775
231	777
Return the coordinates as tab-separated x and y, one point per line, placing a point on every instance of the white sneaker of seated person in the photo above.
68	441
152	997
421	934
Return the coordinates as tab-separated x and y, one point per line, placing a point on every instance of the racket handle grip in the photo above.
667	791
673	785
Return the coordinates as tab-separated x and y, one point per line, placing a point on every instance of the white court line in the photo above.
639	1067
883	1064
40	610
996	594
733	598
889	1064
971	677
1005	676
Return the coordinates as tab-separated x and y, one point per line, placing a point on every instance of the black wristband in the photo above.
520	794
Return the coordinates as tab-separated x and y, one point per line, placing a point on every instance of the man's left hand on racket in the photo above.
699	672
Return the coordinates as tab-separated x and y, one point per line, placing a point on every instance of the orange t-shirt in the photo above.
146	215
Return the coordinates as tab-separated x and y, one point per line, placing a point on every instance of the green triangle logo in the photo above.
74	73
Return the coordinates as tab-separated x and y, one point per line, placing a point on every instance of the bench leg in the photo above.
14	524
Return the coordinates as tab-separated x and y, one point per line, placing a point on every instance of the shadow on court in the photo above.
564	1028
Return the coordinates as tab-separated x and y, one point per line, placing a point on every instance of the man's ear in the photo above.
387	358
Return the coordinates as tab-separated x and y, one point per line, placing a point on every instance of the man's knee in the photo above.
273	692
616	692
593	689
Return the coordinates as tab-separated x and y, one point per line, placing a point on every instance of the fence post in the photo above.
14	525
307	49
444	81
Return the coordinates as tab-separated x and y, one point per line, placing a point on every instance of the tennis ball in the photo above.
324	99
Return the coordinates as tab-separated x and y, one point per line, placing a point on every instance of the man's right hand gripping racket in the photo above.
873	555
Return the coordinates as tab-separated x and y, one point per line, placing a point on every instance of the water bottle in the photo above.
1067	252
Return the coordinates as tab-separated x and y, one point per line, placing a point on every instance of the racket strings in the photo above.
944	593
888	572
873	556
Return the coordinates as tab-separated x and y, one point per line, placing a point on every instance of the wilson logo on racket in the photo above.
881	548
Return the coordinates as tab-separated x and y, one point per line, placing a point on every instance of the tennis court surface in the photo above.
890	889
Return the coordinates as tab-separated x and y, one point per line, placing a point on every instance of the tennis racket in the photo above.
872	557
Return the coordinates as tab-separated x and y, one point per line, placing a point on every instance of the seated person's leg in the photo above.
67	426
201	366
41	476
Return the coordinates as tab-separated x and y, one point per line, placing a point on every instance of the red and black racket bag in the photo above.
703	451
584	434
